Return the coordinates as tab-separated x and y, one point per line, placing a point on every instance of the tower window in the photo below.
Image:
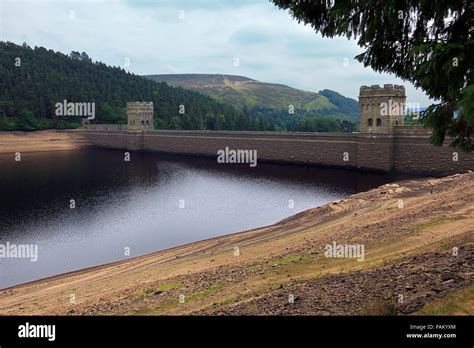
379	122
369	122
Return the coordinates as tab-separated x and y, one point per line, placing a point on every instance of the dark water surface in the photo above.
151	203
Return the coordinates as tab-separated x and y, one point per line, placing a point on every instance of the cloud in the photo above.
195	36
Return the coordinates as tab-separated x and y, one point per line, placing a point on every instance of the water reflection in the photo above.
150	203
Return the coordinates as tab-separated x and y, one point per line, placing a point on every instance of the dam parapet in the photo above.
403	151
384	143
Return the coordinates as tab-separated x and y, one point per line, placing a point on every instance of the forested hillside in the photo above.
270	103
34	80
344	105
242	91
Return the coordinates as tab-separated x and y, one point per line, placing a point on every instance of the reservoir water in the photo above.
89	207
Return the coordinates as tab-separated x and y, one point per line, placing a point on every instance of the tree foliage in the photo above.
30	90
33	80
428	43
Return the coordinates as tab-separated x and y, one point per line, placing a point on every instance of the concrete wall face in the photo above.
322	149
107	139
375	152
415	154
403	151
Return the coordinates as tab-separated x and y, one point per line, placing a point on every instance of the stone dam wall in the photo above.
407	150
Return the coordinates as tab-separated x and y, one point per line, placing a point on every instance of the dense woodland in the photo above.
301	121
33	80
325	120
346	106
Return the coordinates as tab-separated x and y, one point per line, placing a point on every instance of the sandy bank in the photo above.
50	140
409	232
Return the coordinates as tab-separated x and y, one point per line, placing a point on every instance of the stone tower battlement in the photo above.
386	90
140	116
381	108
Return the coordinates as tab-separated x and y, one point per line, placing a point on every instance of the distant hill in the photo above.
242	91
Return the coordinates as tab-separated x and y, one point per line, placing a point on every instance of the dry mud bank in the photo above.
12	142
418	239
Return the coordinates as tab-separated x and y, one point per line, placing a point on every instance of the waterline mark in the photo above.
19	251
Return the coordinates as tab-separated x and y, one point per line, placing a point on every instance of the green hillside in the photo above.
344	105
242	91
33	80
239	90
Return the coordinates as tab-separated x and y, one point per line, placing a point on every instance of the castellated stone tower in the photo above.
140	116
381	108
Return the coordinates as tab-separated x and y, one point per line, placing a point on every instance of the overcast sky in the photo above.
195	36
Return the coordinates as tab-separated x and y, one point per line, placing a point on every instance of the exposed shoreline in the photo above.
40	141
253	272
